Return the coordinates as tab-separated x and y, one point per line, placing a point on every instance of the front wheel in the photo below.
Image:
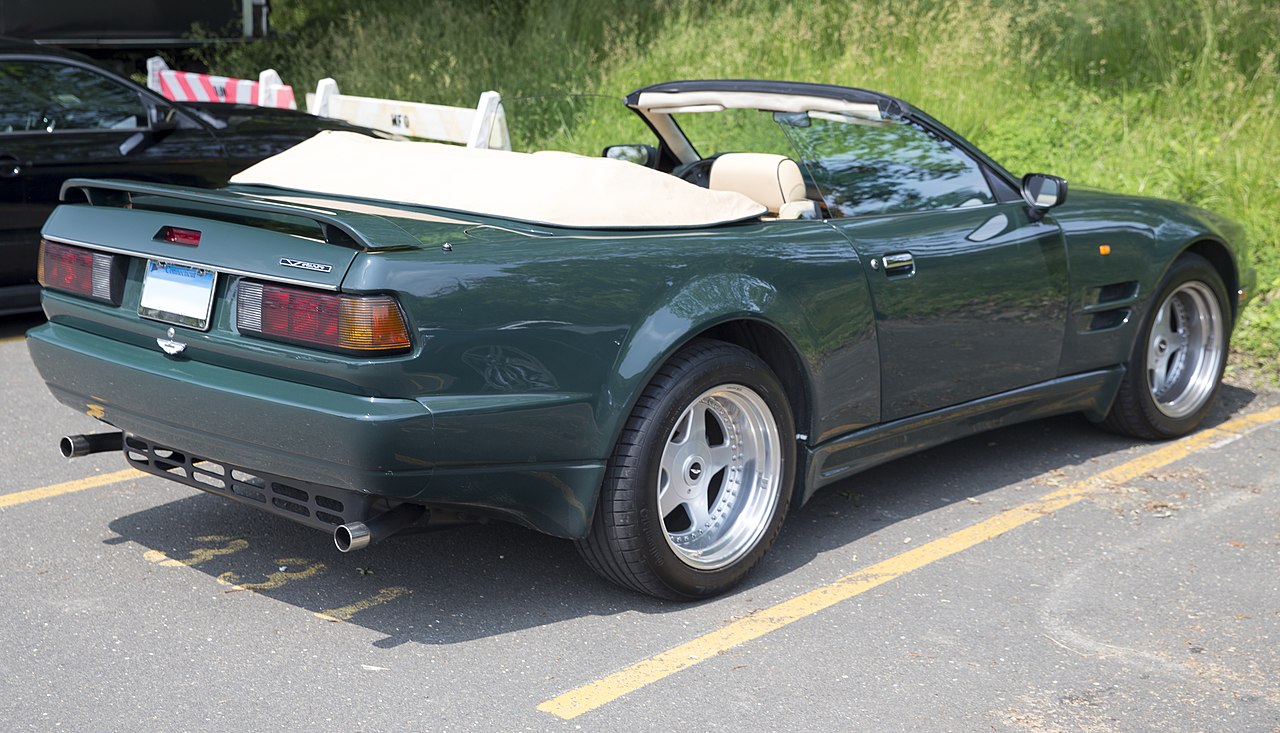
700	479
1177	363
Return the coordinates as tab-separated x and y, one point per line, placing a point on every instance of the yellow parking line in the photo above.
22	497
595	694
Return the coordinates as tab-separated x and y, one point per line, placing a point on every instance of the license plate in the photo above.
177	294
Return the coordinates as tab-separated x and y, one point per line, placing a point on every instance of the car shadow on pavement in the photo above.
1043	455
472	582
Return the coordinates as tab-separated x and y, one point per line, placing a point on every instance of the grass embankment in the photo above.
1169	98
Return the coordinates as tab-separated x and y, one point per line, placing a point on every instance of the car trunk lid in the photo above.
179	260
226	231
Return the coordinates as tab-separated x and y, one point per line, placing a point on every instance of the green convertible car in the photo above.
653	352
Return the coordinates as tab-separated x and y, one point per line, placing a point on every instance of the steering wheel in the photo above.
698	172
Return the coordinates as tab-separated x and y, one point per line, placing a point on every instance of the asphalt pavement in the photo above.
1046	577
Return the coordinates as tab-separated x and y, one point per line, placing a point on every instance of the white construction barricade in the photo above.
482	127
187	86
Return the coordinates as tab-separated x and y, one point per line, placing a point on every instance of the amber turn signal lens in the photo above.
373	323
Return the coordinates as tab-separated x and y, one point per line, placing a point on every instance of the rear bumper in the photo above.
377	446
365	444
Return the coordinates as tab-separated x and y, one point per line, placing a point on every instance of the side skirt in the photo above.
1090	392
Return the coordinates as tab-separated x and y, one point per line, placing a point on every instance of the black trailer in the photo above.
104	26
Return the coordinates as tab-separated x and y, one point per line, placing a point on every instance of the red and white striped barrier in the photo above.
187	86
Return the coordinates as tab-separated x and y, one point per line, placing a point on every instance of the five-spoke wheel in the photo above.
1185	349
1177	364
719	477
699	483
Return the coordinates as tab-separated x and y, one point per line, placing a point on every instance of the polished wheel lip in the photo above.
746	460
1185	350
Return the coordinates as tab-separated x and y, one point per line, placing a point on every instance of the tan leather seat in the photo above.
773	181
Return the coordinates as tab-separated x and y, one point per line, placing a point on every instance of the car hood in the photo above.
1155	211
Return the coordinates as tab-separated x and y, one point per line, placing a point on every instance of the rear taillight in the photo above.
353	323
81	271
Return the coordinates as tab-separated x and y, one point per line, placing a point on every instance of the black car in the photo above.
61	116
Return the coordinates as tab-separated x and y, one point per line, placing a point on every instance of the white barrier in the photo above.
482	127
187	86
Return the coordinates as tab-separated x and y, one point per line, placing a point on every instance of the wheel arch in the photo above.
746	329
776	351
768	343
1173	406
1220	257
770	313
663	525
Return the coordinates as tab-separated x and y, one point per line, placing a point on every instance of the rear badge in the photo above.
169	346
304	265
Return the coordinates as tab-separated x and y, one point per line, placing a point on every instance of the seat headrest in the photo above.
770	180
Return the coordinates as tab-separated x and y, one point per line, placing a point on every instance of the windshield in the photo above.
853	163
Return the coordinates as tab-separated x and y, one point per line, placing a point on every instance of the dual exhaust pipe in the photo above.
347	537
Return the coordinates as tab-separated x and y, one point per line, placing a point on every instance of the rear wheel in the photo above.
1177	363
699	482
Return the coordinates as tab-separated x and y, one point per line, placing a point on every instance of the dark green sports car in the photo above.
653	352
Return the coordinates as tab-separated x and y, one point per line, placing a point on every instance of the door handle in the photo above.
10	167
899	264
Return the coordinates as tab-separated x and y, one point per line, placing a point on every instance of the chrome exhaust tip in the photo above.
75	446
353	536
359	535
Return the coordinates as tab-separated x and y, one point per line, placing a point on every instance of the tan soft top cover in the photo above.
556	189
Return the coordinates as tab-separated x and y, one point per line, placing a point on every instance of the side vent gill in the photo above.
1109	306
1107	320
1113	294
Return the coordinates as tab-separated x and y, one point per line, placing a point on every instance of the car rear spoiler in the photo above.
366	232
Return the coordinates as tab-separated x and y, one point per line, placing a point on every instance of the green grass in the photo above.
1172	98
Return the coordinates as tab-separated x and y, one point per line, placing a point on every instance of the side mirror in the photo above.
162	119
645	155
1043	192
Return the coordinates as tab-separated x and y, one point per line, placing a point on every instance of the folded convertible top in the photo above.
551	188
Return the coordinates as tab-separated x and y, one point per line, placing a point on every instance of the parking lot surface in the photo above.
1046	577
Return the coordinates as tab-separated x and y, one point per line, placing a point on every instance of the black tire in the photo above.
709	408
1175	370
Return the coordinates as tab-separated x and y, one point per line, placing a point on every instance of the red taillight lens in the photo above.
304	316
81	271
362	323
